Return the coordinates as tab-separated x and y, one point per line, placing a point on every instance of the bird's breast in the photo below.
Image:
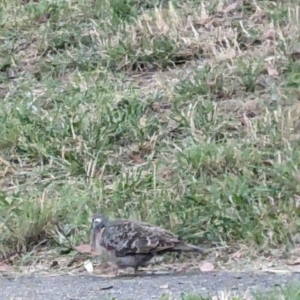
98	239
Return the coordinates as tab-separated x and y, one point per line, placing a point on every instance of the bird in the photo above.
133	244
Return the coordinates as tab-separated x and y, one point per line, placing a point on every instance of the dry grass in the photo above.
184	114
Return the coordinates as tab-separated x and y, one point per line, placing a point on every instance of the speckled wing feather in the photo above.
126	237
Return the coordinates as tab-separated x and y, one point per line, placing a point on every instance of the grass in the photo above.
184	114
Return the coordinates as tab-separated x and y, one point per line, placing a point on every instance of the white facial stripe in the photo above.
97	220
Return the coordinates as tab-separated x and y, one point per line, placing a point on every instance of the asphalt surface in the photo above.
135	288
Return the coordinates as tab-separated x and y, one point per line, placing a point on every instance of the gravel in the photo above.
141	287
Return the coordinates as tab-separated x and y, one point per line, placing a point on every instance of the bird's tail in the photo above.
191	248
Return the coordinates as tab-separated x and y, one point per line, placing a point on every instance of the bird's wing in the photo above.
127	237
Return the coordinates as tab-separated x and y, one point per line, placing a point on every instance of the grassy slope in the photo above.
185	115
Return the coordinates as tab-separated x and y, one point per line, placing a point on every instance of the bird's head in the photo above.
98	221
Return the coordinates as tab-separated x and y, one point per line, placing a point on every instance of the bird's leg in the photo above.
135	270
